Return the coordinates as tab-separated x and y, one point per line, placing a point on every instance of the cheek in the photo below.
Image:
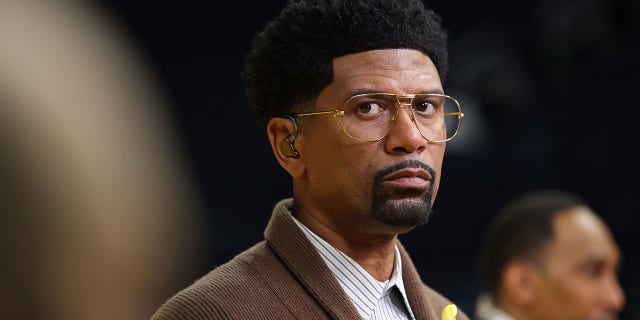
339	165
359	163
570	295
435	155
357	167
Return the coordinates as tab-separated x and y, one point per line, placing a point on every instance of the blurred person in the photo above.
351	95
95	202
548	255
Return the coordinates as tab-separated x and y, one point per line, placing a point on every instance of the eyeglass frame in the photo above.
398	96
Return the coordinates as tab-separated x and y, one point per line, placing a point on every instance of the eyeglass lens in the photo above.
371	116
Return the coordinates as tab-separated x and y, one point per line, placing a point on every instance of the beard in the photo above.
393	207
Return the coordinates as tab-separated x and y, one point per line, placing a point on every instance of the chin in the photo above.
404	212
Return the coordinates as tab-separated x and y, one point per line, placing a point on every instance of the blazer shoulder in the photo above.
215	295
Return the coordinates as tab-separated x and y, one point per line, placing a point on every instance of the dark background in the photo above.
549	89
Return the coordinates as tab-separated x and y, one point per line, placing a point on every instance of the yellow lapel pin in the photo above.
449	312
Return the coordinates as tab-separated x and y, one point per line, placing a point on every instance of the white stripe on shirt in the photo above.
373	299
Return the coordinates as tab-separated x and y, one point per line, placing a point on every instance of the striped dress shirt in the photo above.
373	299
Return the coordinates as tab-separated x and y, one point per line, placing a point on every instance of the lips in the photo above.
408	178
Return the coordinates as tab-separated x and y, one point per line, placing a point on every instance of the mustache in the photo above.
404	165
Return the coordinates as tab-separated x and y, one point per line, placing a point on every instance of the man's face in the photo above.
578	277
387	186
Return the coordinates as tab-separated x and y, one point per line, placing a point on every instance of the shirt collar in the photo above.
486	309
396	279
363	289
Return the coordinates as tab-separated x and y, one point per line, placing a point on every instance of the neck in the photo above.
374	253
376	257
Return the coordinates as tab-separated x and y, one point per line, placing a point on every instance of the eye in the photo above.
594	269
425	107
370	108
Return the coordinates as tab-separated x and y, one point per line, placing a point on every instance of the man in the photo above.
549	256
351	96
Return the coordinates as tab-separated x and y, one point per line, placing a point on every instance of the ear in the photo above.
519	282
282	135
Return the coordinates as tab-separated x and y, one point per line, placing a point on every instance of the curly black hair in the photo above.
292	58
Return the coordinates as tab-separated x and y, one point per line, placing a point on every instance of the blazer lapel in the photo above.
416	294
290	244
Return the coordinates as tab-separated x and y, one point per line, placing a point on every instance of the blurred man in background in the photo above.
549	256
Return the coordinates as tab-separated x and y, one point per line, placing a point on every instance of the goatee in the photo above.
392	206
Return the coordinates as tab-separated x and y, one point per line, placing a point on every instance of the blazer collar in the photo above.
290	244
286	239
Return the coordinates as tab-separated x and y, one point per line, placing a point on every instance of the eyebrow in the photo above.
602	259
359	91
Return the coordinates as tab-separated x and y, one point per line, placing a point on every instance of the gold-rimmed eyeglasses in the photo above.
370	116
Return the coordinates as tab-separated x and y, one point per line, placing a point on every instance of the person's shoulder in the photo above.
217	294
439	301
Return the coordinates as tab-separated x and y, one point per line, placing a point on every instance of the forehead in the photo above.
580	236
389	70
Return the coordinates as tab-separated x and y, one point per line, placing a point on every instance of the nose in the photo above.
404	136
613	296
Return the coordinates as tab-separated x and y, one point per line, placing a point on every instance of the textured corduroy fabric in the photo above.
284	277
